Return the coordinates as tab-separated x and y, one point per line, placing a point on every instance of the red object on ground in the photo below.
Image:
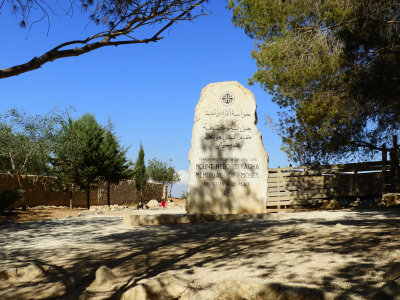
163	204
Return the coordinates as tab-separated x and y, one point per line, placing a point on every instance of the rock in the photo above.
390	199
138	292
392	273
171	205
228	164
202	295
271	291
70	281
390	290
117	208
29	272
165	287
152	204
104	275
168	287
300	293
330	204
4	275
85	296
355	203
234	289
10	273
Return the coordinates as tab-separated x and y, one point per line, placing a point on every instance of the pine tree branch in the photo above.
158	13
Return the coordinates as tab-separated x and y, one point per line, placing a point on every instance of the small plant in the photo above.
10	197
184	194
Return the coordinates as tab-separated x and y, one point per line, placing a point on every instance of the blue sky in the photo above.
148	91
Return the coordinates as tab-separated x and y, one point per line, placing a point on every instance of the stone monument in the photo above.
228	171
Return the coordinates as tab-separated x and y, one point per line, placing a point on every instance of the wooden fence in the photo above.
304	185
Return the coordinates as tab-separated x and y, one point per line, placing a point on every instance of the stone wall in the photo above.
37	192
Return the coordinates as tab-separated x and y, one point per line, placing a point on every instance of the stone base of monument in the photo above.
165	219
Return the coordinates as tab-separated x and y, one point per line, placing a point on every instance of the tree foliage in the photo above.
333	68
184	195
64	160
163	172
86	153
115	165
140	174
9	197
120	22
78	156
26	141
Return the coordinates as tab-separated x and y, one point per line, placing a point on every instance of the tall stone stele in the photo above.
228	171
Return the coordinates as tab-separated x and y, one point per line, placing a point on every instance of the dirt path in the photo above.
342	253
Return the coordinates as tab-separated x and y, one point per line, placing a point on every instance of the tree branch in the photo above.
363	144
142	16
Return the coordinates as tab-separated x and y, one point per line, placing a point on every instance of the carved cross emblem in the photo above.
227	98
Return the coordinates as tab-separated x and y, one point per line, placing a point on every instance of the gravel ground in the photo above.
343	253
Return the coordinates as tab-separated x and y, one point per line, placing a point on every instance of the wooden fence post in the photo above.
395	165
384	163
279	175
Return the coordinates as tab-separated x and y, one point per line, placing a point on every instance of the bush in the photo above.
184	195
10	197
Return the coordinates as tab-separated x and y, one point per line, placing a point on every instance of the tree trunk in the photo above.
108	193
165	190
70	199
395	165
384	166
88	197
24	206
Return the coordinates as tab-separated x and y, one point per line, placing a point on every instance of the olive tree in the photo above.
163	172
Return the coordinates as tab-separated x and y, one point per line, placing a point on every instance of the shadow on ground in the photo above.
344	254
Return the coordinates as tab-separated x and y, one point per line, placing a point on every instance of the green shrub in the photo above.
10	197
184	195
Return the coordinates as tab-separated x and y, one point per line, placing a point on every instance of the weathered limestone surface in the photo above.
228	164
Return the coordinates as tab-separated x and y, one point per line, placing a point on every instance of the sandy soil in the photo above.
39	213
343	253
55	212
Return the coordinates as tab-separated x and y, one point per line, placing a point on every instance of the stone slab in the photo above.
228	171
166	219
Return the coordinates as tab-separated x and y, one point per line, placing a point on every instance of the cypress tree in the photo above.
140	174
